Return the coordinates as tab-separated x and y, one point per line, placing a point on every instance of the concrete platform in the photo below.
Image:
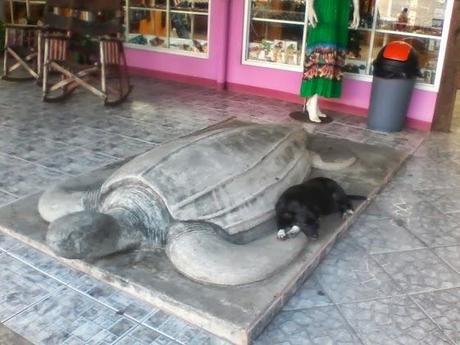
237	314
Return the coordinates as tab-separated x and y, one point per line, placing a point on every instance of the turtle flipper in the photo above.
88	235
199	252
73	195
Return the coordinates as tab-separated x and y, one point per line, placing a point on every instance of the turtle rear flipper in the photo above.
199	252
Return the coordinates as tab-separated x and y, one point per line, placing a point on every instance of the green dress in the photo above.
326	49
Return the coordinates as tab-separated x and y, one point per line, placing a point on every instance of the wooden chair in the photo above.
92	30
22	45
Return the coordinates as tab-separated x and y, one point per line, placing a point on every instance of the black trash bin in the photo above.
395	70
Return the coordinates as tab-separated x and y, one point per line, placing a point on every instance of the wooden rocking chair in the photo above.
22	46
92	29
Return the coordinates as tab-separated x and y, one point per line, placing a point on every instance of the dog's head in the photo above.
303	217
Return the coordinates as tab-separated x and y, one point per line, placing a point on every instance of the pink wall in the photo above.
224	66
212	68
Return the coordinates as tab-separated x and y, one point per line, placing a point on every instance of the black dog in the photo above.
300	206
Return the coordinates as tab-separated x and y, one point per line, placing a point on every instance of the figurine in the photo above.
206	194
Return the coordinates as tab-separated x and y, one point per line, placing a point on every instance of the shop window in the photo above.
277	29
23	12
172	25
427	49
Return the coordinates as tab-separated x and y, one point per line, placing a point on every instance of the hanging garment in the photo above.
326	50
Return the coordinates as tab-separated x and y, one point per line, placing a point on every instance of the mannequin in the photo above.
326	50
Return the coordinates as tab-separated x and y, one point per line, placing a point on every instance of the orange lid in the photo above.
397	50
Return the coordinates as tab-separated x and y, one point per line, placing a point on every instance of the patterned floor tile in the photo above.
348	274
393	321
396	200
445	200
444	308
28	180
118	146
7	242
44	263
146	336
314	326
122	302
34	149
180	330
310	295
78	135
431	226
381	235
426	174
451	255
10	163
6	198
69	316
418	270
21	286
76	161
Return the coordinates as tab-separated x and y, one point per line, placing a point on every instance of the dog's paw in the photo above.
294	231
281	235
348	213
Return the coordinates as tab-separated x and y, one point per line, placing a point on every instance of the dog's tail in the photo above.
337	164
356	197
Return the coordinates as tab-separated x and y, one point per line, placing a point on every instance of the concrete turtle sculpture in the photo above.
206	198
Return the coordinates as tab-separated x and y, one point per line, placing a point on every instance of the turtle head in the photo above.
87	234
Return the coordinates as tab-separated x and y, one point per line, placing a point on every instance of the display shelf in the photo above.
291	16
279	21
397	32
408	34
159	49
164	9
32	2
137	8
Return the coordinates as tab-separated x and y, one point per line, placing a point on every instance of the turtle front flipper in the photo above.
199	252
74	195
89	235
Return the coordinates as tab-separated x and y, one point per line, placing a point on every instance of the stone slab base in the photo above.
237	314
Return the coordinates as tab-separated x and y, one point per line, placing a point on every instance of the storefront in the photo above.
257	45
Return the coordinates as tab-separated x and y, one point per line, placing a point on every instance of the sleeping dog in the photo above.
300	206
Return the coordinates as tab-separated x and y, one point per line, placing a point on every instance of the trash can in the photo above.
395	70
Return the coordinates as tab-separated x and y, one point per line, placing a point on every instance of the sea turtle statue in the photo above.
206	199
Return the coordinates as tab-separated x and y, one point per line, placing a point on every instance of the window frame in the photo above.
168	10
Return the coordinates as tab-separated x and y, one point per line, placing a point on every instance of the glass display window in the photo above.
271	26
427	50
276	31
419	16
22	12
174	25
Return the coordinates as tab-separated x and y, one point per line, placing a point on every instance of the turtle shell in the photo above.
229	176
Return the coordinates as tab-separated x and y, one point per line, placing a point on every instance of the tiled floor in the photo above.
394	279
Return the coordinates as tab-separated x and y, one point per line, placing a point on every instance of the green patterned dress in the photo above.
326	49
